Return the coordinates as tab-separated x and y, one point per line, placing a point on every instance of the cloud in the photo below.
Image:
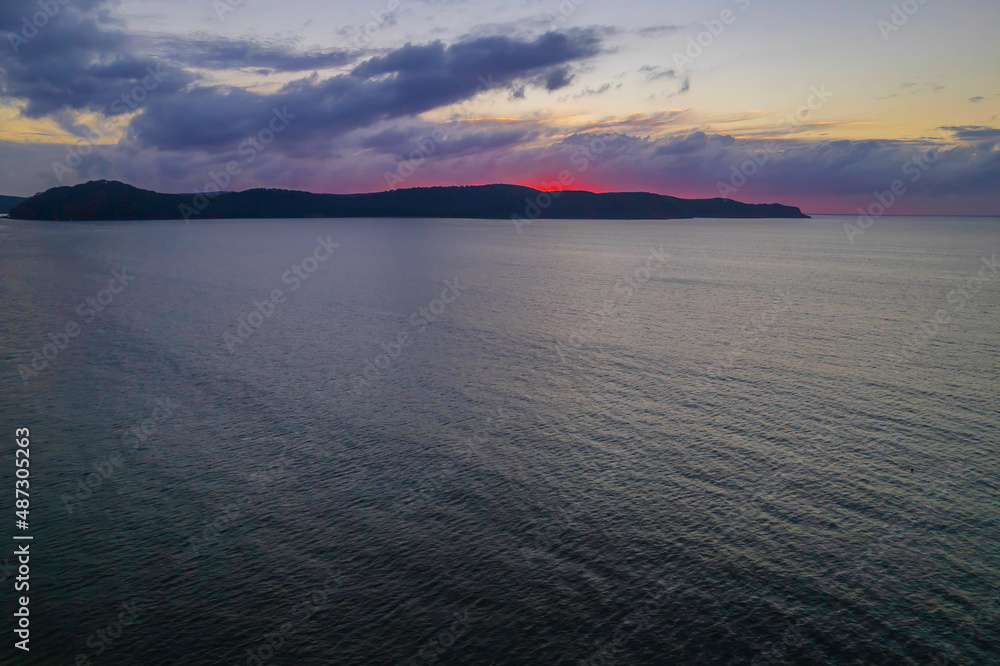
502	57
351	126
973	132
840	175
655	72
556	78
658	73
637	122
405	82
976	99
85	61
397	142
682	145
591	92
81	60
657	30
220	53
907	89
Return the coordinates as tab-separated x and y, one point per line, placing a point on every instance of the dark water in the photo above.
708	462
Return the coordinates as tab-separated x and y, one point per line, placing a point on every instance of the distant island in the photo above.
100	200
8	203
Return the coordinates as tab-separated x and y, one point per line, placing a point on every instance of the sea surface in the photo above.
446	441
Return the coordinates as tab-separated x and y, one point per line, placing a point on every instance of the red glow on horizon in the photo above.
622	184
555	185
551	185
575	182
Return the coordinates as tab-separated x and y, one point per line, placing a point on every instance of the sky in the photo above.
822	105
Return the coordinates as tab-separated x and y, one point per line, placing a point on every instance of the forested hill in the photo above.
112	200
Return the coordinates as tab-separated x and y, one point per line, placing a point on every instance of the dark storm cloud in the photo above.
408	81
84	60
78	60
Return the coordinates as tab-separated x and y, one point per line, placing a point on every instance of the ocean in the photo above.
425	441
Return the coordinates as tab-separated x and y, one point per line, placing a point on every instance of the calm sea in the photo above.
444	441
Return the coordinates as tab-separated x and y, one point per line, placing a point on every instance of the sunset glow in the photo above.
679	106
